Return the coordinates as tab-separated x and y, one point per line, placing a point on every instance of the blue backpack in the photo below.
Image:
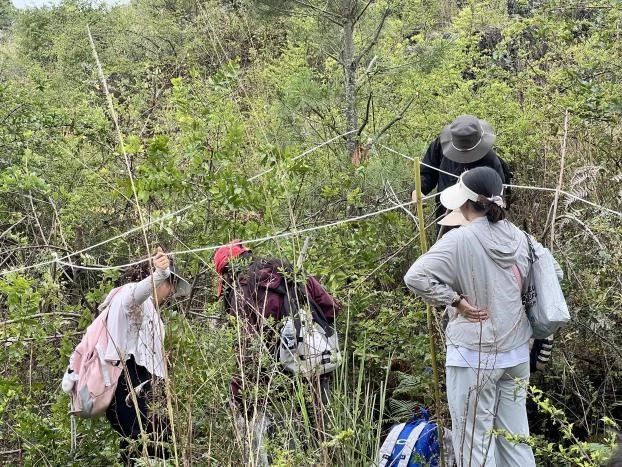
412	444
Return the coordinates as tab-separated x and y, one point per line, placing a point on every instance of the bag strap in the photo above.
531	249
104	313
292	292
389	444
409	446
531	256
316	313
288	309
104	367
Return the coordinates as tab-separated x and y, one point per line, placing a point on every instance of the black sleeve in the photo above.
496	164
429	176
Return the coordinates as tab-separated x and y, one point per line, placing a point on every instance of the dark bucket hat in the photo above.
467	139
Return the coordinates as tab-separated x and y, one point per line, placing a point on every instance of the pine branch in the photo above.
396	119
326	14
366	119
375	38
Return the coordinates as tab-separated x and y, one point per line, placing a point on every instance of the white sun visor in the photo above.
456	195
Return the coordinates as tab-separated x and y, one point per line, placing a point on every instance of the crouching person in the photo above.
118	369
286	337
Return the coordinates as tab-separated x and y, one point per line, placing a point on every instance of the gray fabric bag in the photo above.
543	298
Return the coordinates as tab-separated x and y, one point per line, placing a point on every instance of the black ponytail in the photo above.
487	183
494	212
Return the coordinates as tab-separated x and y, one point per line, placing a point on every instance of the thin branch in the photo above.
360	15
33	247
36	217
15	109
13	340
120	140
366	119
332	125
41	315
582	224
327	14
303	252
559	181
14	451
335	57
60	227
397	118
11	227
396	202
374	40
369	67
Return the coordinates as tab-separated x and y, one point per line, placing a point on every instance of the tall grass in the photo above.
283	417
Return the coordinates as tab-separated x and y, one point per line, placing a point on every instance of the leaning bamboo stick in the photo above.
120	140
559	181
424	247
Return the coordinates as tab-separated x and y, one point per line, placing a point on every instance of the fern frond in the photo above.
582	182
402	410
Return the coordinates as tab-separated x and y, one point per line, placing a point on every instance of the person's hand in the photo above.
414	196
160	260
475	315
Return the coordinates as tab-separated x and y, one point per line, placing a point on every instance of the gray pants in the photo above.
481	401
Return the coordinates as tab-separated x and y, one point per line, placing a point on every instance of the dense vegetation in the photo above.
211	93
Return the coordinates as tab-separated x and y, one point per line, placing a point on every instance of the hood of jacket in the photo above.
268	278
502	241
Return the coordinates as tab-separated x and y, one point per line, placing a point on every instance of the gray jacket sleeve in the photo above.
432	276
144	289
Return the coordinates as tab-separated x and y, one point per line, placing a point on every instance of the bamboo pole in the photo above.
559	181
120	140
423	242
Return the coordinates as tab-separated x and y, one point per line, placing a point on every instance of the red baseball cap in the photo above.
223	255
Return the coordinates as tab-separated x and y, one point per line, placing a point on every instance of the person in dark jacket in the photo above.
464	144
252	291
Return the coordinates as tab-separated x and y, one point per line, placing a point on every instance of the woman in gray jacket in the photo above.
474	270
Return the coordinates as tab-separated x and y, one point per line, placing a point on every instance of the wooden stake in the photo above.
423	242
